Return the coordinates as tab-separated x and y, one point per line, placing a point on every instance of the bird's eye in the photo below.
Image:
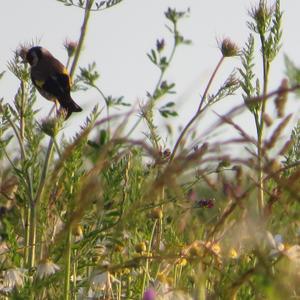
32	58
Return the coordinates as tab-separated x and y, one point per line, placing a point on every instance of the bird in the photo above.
51	79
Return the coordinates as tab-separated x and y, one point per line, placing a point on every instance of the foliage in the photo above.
104	215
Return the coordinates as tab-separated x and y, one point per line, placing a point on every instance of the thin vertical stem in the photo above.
68	264
199	111
89	4
27	233
146	271
74	276
260	131
32	234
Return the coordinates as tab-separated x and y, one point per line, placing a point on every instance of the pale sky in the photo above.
119	38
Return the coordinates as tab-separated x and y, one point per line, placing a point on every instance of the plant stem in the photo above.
68	264
199	111
27	234
89	4
162	73
74	276
45	170
32	234
260	131
146	272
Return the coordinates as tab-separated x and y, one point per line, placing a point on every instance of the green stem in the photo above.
45	170
89	4
74	297
260	131
68	264
27	234
199	111
146	272
32	234
162	73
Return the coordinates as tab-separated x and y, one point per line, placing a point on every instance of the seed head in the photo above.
228	48
70	46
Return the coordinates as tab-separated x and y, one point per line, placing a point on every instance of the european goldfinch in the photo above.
51	79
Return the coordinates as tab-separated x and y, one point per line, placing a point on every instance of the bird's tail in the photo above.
70	106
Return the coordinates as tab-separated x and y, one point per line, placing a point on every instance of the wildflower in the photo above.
167	153
262	16
216	248
46	268
228	48
77	232
160	44
293	253
51	126
205	203
182	262
233	253
71	47
140	247
156	213
13	278
276	243
149	294
101	282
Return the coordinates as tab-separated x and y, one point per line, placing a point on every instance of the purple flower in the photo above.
205	203
149	294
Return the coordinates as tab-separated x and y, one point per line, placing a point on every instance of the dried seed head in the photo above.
70	46
228	48
267	119
281	99
277	132
286	147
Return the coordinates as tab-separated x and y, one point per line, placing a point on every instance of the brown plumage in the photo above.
51	79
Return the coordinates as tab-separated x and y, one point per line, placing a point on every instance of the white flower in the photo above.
46	268
276	243
293	253
13	277
101	282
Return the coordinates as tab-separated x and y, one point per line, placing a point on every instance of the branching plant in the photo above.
104	215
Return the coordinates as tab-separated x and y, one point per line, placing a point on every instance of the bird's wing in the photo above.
57	84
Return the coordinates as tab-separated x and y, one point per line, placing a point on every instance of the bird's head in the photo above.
35	54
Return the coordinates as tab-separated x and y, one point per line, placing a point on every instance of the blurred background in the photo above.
119	38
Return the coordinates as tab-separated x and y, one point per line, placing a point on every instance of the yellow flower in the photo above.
182	262
216	248
233	253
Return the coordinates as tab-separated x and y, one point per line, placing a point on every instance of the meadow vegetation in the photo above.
105	215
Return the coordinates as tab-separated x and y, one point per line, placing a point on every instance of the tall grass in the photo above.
109	216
